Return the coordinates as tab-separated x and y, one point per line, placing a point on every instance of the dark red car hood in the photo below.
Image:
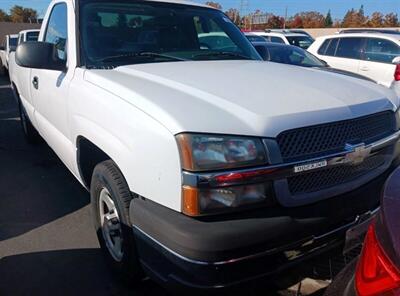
388	224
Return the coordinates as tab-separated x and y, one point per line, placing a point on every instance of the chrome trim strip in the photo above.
359	219
279	171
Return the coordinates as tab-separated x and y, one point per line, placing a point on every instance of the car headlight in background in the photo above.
213	152
200	153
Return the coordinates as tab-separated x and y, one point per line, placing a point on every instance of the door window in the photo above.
381	50
57	30
350	48
324	47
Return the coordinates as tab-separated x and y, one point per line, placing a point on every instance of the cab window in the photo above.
57	30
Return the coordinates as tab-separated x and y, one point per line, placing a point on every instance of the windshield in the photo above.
127	32
32	36
293	56
255	38
300	41
13	41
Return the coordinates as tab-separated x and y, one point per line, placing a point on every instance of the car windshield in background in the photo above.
293	56
255	38
129	32
32	36
300	41
13	41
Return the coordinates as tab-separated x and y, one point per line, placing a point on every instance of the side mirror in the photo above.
325	63
39	55
13	48
396	61
262	51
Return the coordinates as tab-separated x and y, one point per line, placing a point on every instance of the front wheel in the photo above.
110	200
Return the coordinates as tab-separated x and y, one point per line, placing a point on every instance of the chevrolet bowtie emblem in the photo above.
357	153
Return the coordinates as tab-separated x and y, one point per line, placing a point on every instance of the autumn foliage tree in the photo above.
391	20
3	16
214	4
19	14
234	15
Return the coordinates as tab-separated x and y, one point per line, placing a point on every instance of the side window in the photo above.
277	40
331	50
211	36
381	50
57	29
350	48
324	46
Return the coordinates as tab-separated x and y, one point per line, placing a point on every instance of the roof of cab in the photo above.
29	31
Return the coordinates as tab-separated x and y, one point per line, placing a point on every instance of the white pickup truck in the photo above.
8	45
207	167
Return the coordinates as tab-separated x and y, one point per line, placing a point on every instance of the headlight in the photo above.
214	152
201	152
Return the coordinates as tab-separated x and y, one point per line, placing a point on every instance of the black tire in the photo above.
107	176
31	134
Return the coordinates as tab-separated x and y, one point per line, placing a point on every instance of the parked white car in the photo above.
207	167
9	44
287	37
374	55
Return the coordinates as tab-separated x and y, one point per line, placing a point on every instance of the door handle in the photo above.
364	68
35	82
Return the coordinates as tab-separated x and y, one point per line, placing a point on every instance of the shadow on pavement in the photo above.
36	187
68	272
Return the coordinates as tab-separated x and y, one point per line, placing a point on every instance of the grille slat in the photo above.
319	140
341	174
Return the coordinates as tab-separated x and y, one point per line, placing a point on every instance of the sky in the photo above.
337	7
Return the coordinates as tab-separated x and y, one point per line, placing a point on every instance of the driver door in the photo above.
50	88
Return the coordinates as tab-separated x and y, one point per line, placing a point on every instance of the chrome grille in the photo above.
319	140
316	181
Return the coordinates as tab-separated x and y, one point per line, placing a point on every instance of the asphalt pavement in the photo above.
48	245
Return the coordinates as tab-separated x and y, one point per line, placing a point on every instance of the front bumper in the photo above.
217	252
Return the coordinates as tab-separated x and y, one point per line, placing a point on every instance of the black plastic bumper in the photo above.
227	251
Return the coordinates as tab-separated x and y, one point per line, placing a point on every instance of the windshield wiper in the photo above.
139	55
222	53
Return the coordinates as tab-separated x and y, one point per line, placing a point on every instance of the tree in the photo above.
19	14
234	15
328	20
295	22
214	4
376	20
311	19
3	16
391	20
355	19
275	22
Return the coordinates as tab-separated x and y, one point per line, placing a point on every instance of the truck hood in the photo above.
241	97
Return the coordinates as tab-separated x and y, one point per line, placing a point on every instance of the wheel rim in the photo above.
110	225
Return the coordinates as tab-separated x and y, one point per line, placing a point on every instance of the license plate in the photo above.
310	166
